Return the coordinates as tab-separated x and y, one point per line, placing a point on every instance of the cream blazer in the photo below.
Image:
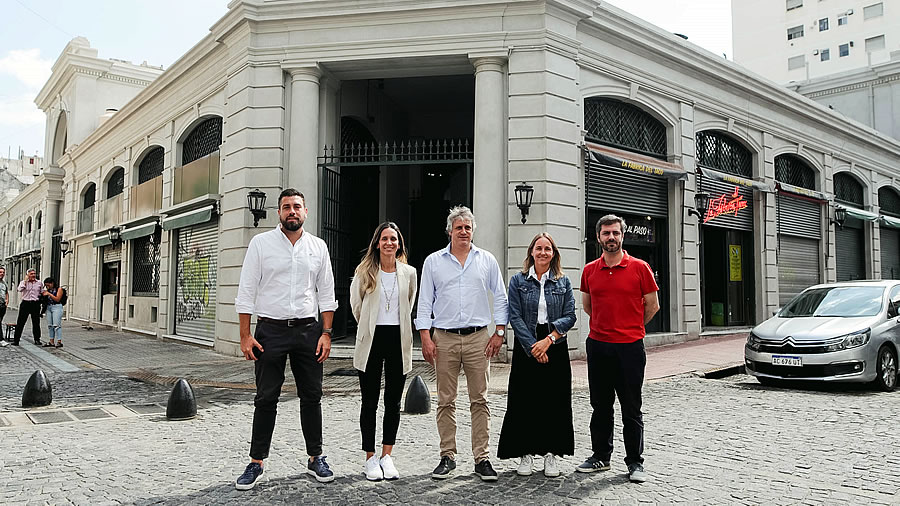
365	310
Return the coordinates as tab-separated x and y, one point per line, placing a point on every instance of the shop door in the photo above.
109	292
849	251
890	253
196	280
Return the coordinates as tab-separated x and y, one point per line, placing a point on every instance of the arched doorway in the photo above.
799	215
889	203
850	252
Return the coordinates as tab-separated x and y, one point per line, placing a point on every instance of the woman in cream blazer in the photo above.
381	298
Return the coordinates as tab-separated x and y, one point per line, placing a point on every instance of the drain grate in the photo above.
146	409
344	372
44	417
95	348
90	414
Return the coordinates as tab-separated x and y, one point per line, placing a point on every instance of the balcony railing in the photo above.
111	213
86	220
198	178
146	198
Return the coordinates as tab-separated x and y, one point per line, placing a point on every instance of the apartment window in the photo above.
797	62
873	11
825	55
874	43
794	4
843	50
843	20
795	32
823	24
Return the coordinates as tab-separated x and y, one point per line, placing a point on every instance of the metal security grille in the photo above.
116	183
353	132
847	189
56	251
624	126
195	290
203	140
848	253
405	153
890	253
799	217
336	210
152	165
90	194
792	170
798	266
720	152
611	189
889	201
145	264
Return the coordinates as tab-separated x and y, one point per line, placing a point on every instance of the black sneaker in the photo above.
636	473
485	470
592	465
250	477
319	468
444	469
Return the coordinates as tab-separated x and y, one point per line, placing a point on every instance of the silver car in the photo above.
846	331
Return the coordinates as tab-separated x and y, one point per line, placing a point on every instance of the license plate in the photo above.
787	360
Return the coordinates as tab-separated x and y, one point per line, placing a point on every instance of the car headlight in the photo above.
851	340
753	342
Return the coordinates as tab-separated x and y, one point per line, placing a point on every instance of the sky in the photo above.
34	32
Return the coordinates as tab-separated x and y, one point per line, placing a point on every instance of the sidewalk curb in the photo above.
723	372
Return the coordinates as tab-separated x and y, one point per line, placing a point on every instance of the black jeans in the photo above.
28	308
616	369
385	351
299	343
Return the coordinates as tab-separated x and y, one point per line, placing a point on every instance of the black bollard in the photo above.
418	400
38	391
182	404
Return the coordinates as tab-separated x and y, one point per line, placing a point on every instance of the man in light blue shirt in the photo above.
457	285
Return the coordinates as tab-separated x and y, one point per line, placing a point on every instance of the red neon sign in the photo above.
725	204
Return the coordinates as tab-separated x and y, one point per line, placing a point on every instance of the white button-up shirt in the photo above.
542	300
457	295
281	280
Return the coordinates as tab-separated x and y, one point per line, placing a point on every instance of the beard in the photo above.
612	246
292	224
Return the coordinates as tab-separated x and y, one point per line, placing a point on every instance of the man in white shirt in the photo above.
454	289
4	301
286	280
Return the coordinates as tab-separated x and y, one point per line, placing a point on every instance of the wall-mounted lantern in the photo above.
840	215
701	205
64	248
256	200
524	194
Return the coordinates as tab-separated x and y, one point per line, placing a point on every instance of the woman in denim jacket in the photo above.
538	417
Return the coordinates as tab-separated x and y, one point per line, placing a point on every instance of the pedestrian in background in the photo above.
454	300
286	280
54	297
4	302
382	294
538	418
619	294
29	306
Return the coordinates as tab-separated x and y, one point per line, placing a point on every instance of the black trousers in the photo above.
616	369
280	343
386	352
28	308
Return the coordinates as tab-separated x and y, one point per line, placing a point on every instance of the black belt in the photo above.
464	331
293	322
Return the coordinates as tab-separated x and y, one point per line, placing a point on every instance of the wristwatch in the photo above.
552	339
501	332
330	332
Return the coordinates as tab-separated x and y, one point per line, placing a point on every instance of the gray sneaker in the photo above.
636	473
592	465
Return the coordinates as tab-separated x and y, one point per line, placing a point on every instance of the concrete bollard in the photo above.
38	391
418	399
182	405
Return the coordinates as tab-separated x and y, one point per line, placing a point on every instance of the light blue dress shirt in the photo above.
457	295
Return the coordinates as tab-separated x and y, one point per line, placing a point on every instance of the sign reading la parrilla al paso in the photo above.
725	204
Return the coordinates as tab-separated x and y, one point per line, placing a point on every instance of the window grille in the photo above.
624	126
203	140
152	165
889	201
116	183
720	152
145	265
793	171
90	196
847	189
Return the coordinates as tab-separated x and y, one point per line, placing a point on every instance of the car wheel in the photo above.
769	382
886	367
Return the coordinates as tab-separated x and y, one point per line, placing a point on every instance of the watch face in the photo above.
501	332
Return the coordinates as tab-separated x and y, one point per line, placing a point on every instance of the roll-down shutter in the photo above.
195	305
625	192
890	253
849	251
799	255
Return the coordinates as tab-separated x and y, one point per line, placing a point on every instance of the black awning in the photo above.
610	160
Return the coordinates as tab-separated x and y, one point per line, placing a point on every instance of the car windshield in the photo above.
835	301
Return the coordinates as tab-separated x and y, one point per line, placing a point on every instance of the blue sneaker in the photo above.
319	468
250	477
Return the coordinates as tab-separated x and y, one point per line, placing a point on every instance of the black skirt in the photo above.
538	416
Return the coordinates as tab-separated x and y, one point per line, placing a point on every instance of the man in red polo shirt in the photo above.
618	292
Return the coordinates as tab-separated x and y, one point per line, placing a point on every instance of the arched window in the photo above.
116	183
720	152
889	201
794	171
204	139
152	165
28	226
848	190
37	220
89	196
621	125
20	228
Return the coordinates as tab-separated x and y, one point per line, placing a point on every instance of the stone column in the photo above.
490	181
301	171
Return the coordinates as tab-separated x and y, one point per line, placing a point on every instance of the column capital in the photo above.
303	71
492	61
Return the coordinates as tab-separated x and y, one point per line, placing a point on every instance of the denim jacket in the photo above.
524	293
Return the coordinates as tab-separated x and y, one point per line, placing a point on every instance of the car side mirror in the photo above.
893	309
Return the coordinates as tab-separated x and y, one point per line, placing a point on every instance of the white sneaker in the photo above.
551	468
387	467
373	469
526	464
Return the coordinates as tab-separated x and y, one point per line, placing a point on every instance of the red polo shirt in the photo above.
617	298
